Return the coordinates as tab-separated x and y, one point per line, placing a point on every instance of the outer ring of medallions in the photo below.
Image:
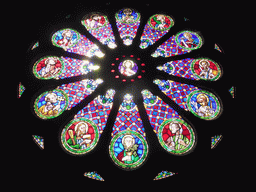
135	165
120	78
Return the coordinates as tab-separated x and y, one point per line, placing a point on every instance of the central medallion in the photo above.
128	68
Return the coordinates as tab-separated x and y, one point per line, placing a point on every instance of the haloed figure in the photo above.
50	69
177	141
202	107
127	68
206	72
81	139
52	105
66	40
129	154
188	41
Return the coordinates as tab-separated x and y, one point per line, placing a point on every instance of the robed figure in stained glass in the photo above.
95	21
188	41
127	16
49	67
52	105
202	105
129	154
205	70
83	136
174	137
160	22
66	40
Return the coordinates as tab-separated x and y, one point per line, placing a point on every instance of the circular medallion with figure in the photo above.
65	38
51	104
161	22
203	104
176	136
128	149
127	16
128	68
188	40
80	136
94	20
206	69
48	67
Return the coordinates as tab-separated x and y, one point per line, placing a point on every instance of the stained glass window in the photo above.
97	24
39	140
126	90
21	90
93	175
164	174
215	140
128	148
128	21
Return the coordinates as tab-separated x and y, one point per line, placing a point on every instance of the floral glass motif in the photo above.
181	43
21	90
98	25
128	148
127	21
158	25
232	91
39	140
217	47
163	175
93	175
81	135
215	140
35	45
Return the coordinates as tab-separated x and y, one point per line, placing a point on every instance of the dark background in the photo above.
56	168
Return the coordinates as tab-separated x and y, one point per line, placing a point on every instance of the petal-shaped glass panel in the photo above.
98	25
202	104
72	41
52	67
51	104
181	43
81	135
127	21
196	69
128	148
157	26
174	134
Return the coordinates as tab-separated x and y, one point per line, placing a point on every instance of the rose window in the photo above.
132	81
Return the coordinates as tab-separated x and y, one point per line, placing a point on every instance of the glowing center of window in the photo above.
128	68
